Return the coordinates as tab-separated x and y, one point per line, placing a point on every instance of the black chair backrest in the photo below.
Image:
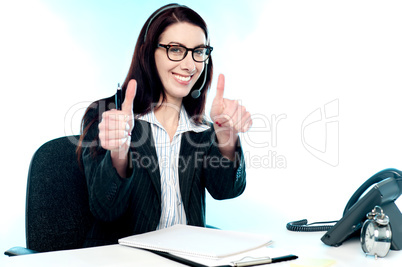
57	207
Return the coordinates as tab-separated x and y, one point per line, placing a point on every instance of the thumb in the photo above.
131	90
220	87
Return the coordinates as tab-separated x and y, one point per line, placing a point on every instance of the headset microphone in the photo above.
196	93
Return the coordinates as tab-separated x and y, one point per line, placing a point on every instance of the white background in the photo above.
284	60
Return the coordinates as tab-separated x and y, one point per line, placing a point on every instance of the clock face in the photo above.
369	240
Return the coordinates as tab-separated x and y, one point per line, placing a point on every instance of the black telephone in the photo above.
381	189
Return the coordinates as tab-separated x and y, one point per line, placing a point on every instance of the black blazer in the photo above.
128	206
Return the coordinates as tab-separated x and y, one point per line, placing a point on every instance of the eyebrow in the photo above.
178	43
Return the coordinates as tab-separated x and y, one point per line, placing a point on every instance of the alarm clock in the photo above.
376	234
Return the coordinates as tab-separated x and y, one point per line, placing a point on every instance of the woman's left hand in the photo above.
230	118
228	115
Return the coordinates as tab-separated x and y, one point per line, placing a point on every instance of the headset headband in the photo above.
157	14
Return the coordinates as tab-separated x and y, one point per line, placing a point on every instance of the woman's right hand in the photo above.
116	127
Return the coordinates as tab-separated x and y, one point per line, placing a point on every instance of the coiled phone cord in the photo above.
303	226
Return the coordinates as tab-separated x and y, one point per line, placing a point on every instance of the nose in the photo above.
188	63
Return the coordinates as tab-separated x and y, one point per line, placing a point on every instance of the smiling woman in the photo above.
161	123
178	75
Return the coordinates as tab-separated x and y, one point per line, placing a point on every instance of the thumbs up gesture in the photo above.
228	115
116	125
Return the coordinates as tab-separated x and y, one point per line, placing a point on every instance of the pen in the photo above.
117	97
254	262
265	261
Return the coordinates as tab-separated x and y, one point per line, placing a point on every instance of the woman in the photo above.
148	164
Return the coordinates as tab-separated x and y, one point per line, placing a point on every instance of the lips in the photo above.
182	79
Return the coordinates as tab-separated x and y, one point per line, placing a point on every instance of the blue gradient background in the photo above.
284	60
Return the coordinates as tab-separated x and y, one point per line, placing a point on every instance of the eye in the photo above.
200	51
176	49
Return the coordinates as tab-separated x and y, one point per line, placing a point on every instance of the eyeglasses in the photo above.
179	52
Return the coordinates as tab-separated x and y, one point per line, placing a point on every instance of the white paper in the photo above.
197	241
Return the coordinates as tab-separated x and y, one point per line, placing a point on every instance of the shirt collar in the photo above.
186	124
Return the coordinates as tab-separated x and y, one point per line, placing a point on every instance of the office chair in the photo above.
57	207
57	215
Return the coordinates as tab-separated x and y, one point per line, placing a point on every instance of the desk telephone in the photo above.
382	189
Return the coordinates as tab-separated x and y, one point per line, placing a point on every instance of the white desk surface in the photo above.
307	246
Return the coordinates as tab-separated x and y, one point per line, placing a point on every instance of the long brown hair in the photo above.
143	70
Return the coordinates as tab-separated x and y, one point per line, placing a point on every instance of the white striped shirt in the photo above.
168	157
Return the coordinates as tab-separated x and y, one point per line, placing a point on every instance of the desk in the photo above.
306	245
114	255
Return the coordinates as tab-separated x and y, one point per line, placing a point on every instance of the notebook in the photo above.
197	241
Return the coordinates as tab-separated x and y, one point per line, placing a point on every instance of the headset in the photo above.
195	93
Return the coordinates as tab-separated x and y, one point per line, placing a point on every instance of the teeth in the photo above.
181	78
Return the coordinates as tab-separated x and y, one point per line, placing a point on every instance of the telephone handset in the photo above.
382	189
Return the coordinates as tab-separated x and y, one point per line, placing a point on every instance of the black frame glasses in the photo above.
203	51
